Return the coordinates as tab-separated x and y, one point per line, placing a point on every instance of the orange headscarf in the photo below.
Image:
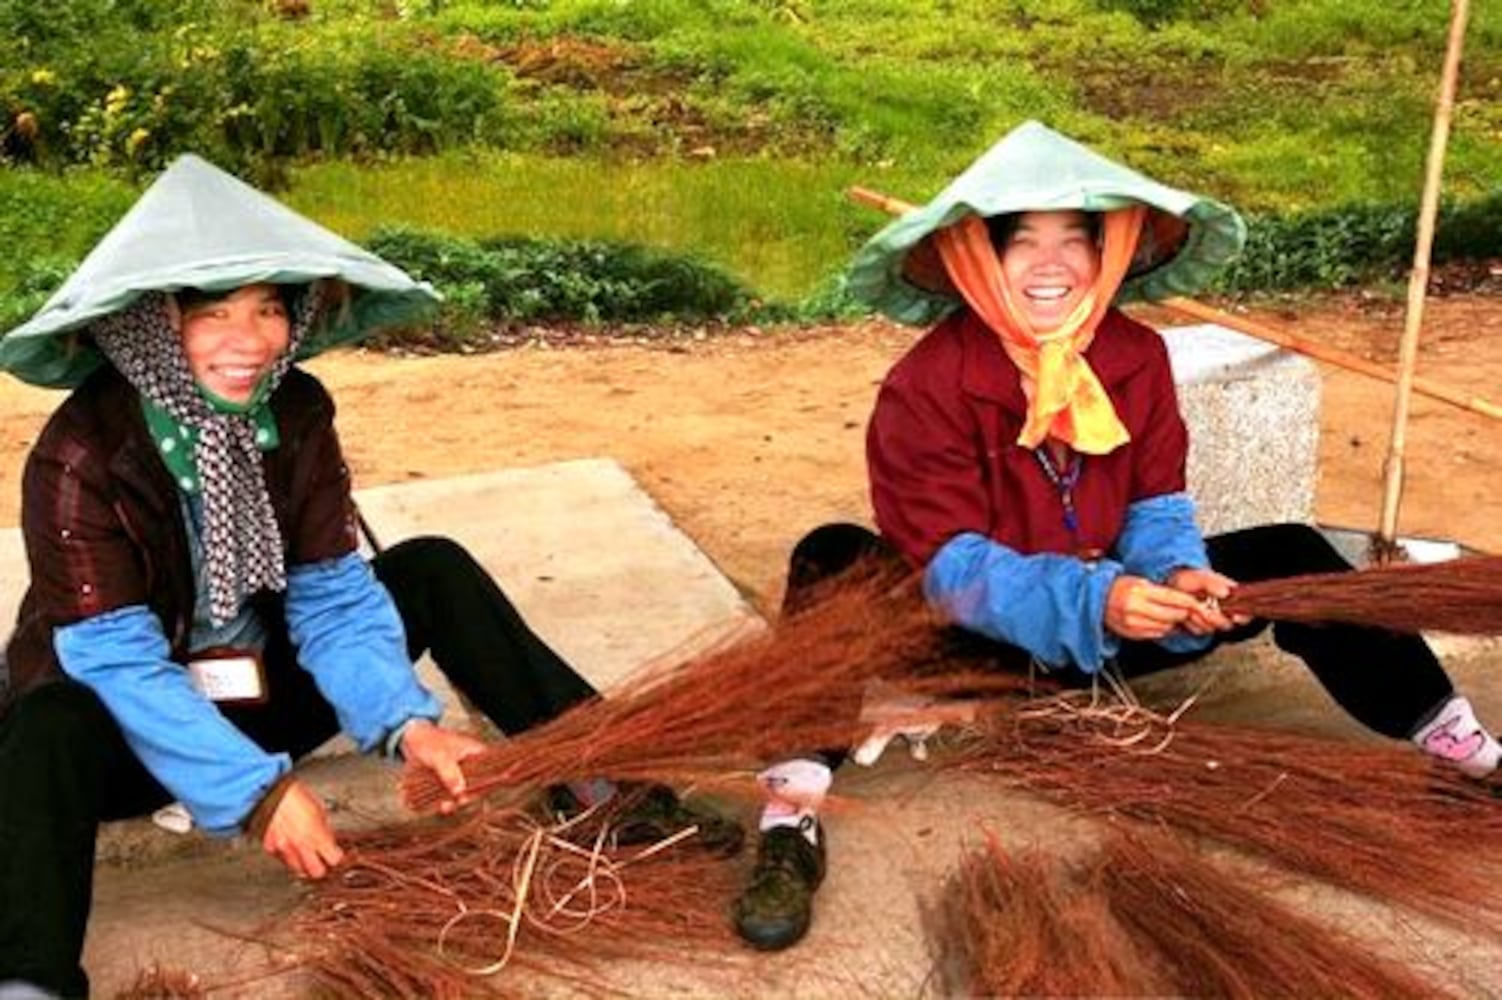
1065	398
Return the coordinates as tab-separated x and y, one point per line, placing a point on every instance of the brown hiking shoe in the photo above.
775	910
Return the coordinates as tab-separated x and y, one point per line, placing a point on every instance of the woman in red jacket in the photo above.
1028	457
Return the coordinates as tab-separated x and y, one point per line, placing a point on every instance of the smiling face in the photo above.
1049	261
232	342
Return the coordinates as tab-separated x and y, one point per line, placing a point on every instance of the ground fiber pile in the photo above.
443	909
1379	820
1144	915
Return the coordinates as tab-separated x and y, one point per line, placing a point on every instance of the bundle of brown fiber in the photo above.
717	717
1006	926
1460	595
444	908
1219	936
1370	818
1144	916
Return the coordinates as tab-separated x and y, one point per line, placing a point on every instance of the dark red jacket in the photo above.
942	449
104	527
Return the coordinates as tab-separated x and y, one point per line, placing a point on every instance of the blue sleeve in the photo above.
179	735
1160	535
1053	606
350	638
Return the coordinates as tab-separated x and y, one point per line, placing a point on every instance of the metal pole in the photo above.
1418	279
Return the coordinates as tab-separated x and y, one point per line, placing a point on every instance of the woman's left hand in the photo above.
425	744
1211	588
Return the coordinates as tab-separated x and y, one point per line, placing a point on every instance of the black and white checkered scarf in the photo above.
242	545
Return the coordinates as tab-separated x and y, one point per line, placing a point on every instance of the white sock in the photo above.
1453	734
795	789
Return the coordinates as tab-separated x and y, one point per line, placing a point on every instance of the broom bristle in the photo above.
724	713
1460	595
1371	819
1025	926
430	909
1225	937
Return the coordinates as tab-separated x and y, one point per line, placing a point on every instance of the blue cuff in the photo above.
1053	606
350	638
1159	536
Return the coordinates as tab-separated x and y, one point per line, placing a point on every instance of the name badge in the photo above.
228	676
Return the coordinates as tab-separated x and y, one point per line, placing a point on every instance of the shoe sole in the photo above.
775	940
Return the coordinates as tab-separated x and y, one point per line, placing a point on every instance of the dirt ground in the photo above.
749	438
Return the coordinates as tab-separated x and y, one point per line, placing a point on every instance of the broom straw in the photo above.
462	908
721	715
1219	936
1026	926
1374	819
1145	916
1458	595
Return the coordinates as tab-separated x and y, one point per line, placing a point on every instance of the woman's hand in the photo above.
440	751
1208	588
1137	608
299	834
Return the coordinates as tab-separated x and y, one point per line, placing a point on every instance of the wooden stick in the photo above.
1418	279
1289	341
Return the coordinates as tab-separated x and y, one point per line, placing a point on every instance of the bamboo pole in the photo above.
1418	279
1290	341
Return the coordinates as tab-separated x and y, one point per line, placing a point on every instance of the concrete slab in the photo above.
596	567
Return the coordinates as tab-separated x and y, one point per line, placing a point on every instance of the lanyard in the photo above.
1064	482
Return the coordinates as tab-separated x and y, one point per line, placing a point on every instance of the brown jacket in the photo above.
104	527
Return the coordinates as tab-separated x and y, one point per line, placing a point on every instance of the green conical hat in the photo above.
199	227
1185	240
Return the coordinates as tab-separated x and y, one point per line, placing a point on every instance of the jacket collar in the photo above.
986	372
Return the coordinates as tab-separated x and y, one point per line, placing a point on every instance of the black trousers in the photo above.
64	765
1390	683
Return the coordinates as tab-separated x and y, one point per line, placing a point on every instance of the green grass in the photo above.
778	225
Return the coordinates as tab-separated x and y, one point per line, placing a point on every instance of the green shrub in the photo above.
46	217
523	280
246	98
1339	247
37	281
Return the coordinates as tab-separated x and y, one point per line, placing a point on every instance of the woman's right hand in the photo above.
1137	608
299	834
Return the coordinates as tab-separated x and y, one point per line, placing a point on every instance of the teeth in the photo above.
1047	293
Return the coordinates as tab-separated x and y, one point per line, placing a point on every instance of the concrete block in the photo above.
1253	416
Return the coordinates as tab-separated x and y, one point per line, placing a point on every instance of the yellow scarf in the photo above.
1065	398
